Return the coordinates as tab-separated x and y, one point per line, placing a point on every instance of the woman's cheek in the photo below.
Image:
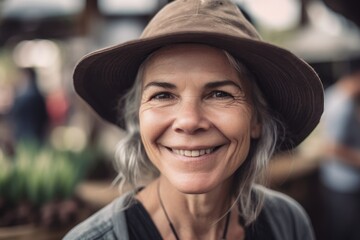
153	122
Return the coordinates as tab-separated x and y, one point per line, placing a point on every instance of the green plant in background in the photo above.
38	175
6	169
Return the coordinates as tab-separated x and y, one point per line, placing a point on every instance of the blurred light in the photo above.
40	8
36	53
274	14
119	31
327	37
115	7
68	138
56	138
74	139
323	18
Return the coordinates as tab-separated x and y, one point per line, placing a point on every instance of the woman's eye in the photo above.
162	95
220	94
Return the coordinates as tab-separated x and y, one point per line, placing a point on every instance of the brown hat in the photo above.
291	87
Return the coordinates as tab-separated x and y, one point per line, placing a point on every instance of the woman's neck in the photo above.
200	216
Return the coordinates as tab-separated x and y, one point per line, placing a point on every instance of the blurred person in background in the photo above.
205	103
28	114
340	170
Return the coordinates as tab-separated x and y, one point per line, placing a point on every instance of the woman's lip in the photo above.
196	152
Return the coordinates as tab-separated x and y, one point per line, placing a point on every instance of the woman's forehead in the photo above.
181	59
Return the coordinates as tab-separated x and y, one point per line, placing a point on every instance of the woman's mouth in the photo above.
194	153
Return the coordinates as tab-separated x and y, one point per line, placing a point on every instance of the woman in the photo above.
205	103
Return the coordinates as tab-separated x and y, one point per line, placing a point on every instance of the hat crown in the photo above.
214	16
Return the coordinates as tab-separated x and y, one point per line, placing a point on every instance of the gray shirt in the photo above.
286	217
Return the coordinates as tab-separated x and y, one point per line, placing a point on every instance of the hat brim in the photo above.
290	86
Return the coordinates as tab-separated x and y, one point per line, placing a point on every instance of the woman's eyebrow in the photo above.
209	85
221	83
165	85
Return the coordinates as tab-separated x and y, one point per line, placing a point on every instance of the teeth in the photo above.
193	153
188	153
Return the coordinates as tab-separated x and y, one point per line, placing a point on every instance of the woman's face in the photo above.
195	120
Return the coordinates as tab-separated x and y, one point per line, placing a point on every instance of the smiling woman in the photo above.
193	106
205	104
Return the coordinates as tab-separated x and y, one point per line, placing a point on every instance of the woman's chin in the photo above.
193	186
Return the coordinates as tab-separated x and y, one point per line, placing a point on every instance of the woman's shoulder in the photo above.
277	201
108	223
287	217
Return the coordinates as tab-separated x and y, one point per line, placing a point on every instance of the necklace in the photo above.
172	225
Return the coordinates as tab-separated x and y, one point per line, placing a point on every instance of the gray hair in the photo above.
134	166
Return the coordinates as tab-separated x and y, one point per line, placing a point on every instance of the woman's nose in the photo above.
190	118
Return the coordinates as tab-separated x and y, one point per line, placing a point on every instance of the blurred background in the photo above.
56	154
